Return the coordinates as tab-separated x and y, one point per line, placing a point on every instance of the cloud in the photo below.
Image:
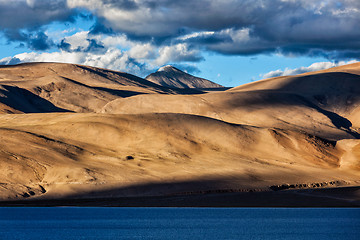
24	20
23	14
239	27
146	54
39	41
81	42
99	28
327	28
178	53
34	40
104	51
113	59
157	32
313	67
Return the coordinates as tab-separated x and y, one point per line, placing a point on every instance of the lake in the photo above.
179	223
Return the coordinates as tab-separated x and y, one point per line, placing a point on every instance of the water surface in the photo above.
179	223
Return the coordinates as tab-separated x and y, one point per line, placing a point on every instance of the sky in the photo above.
231	42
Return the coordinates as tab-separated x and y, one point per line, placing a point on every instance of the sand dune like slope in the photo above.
57	87
80	137
336	89
261	108
324	103
61	154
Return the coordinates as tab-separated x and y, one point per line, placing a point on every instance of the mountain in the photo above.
172	77
324	103
280	138
58	87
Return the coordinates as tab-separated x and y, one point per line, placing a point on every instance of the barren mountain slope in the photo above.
169	76
58	154
336	89
299	132
323	103
54	87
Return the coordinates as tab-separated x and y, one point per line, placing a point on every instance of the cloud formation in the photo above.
36	40
21	14
104	51
156	32
23	20
112	58
328	28
313	67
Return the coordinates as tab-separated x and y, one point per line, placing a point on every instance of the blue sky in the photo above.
231	42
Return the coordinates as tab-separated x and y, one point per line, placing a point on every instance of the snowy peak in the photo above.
168	68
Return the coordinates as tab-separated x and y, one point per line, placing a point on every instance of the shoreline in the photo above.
348	197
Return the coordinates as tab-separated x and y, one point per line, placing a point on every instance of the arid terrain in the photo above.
72	133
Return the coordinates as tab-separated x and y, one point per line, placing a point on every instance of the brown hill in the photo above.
56	87
169	76
336	89
65	154
290	132
324	103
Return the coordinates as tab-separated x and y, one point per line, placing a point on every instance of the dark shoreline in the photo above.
323	197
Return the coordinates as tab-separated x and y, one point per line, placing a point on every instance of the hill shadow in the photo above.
141	82
25	101
331	82
115	92
212	194
269	98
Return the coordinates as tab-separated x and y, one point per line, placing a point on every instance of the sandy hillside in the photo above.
300	131
72	153
54	87
323	103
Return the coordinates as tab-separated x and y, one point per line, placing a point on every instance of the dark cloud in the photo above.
128	5
39	41
64	46
86	16
100	28
35	41
288	26
24	20
21	45
93	46
134	62
208	39
326	28
23	14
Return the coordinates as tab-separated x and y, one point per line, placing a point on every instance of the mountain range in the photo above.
77	132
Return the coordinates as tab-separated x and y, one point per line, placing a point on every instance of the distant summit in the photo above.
169	76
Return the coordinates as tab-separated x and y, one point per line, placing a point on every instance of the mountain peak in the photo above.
167	68
170	76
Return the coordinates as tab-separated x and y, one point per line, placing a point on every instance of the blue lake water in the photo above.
179	223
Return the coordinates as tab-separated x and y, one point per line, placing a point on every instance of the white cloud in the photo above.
238	27
117	40
136	58
78	40
313	67
197	35
177	53
112	59
143	51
